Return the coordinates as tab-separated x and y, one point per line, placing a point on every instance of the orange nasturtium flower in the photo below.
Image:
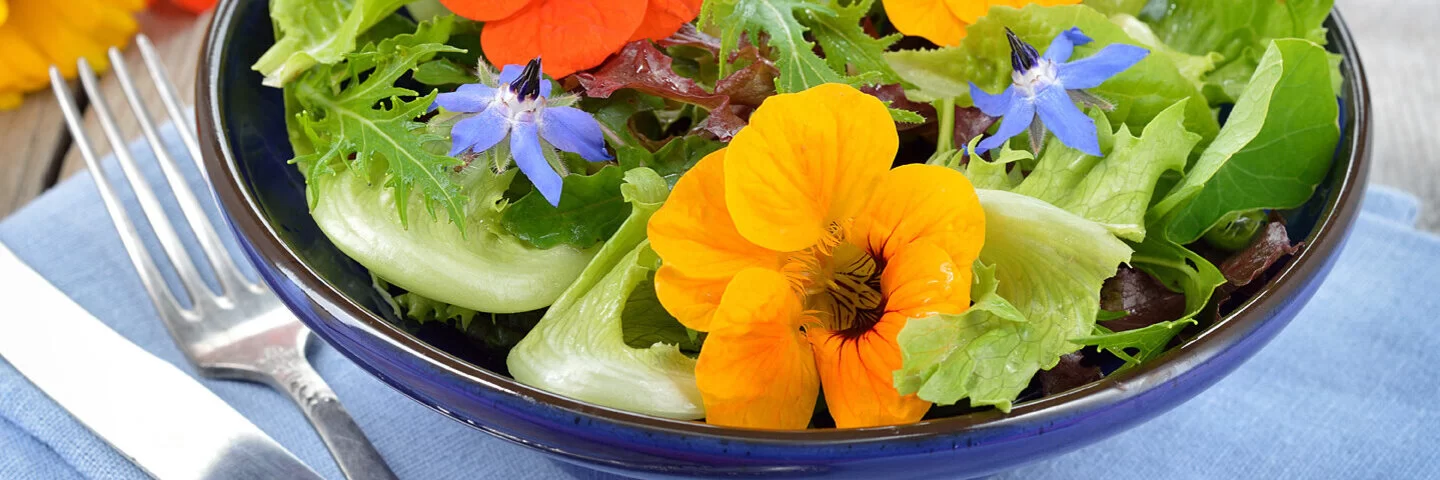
803	255
35	34
944	21
571	35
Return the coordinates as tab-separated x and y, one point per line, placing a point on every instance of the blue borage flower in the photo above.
1047	88
516	107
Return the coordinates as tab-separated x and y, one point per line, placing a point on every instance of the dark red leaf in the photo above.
970	122
1144	299
1071	372
1270	246
688	36
750	85
894	95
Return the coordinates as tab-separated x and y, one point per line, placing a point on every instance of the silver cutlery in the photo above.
241	331
165	422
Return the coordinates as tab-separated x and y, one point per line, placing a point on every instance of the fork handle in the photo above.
357	458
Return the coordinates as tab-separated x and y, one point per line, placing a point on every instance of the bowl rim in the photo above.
1338	214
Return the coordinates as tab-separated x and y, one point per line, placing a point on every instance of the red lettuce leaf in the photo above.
1144	300
642	67
1269	247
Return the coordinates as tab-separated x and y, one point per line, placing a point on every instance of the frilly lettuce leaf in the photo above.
579	350
1139	94
1275	149
1240	32
1111	7
478	268
368	126
1114	191
311	32
1192	67
836	27
1038	288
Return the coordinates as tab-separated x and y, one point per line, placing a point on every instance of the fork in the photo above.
241	331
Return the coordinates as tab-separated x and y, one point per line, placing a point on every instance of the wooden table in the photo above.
1395	37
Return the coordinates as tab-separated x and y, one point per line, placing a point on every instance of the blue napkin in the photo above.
1346	391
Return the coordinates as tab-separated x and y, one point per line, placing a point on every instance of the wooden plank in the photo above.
177	37
33	137
1393	35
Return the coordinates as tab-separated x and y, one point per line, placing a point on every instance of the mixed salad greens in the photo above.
732	210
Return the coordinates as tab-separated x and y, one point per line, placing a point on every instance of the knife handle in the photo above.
357	458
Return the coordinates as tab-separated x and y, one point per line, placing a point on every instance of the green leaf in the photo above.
1193	67
670	161
311	32
994	174
615	112
846	44
579	350
1043	290
443	72
1147	343
1139	93
1111	7
800	68
900	115
480	268
589	212
1179	269
645	321
1114	191
370	121
1275	149
1240	32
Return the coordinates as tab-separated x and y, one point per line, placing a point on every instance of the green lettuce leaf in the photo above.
590	210
368	125
1180	269
1139	345
1193	67
1240	32
670	161
478	268
579	350
1275	149
836	27
645	321
1111	7
1114	191
1139	94
311	32
1043	291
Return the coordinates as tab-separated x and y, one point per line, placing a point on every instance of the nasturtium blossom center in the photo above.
803	255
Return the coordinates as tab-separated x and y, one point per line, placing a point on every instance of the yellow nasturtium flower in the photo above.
943	21
803	254
35	34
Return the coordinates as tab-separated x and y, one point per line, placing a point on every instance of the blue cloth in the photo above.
1346	391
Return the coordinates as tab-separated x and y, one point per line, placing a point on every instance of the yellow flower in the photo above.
943	21
803	255
35	34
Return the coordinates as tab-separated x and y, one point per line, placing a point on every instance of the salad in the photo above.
792	214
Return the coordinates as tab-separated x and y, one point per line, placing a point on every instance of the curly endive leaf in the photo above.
800	67
369	122
314	32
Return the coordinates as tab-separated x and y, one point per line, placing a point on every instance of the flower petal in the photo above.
923	204
1064	45
694	236
968	11
571	35
805	161
1075	129
858	376
478	133
1090	72
930	19
572	130
664	17
992	105
923	280
756	369
1017	120
511	72
525	147
485	10
468	98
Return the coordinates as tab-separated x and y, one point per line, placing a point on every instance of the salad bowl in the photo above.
243	133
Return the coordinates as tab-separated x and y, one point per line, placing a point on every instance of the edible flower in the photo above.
1046	90
803	255
943	22
572	35
35	34
516	107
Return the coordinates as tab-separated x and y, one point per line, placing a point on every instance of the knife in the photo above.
150	411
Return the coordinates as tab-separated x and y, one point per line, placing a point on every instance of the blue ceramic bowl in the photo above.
242	126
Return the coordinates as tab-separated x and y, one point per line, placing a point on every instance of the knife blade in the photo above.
154	414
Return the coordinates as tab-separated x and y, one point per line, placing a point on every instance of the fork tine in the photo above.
169	240
155	286
224	267
170	98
